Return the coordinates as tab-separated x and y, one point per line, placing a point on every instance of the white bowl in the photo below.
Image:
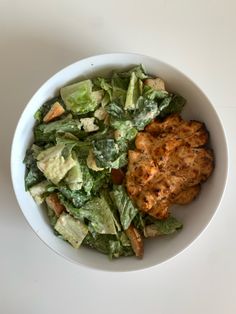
194	216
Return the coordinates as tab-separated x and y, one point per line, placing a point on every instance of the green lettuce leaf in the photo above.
146	111
124	205
119	88
104	84
124	129
39	190
32	175
133	93
51	216
111	245
78	97
97	212
128	123
72	230
74	177
77	198
108	154
150	93
100	180
53	164
157	227
47	132
116	111
81	148
138	70
170	105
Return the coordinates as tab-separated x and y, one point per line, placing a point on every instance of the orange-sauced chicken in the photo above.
168	165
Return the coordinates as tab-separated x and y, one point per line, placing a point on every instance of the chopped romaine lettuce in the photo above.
87	178
150	93
48	132
72	230
32	175
51	216
116	111
146	111
137	70
171	104
124	205
78	198
162	226
52	163
38	191
74	177
124	130
76	154
112	245
104	84
108	154
97	212
78	97
132	93
119	88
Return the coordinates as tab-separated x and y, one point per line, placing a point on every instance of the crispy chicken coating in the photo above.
168	165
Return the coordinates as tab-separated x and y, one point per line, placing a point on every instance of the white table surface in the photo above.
37	38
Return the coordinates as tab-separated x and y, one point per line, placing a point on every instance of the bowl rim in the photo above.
170	66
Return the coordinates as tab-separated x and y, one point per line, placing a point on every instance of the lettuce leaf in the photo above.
133	93
97	211
39	190
157	227
78	97
32	175
128	123
146	111
72	230
111	245
74	177
104	84
108	154
124	130
150	93
119	88
51	216
138	70
47	132
124	205
53	164
170	105
78	198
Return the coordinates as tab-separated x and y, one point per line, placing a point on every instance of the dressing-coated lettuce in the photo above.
78	97
124	205
75	155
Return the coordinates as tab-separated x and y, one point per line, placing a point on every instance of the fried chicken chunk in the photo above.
168	165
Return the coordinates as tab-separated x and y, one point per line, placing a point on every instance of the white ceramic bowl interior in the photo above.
194	216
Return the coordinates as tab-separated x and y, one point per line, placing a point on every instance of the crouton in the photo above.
53	202
136	240
156	83
56	111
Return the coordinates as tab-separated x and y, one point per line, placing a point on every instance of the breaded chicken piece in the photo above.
186	196
169	164
168	125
